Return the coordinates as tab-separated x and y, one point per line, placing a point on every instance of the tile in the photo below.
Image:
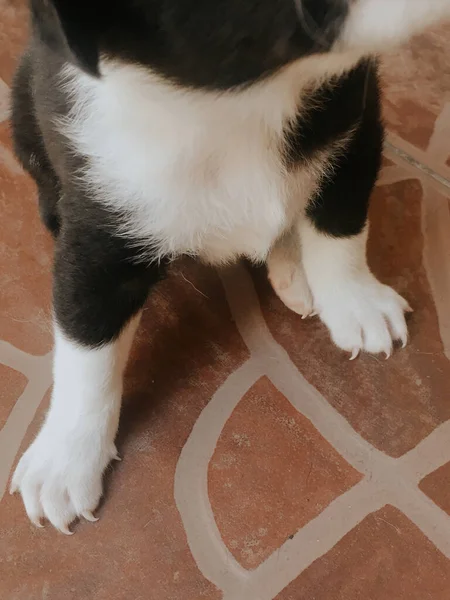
271	473
384	557
12	384
417	86
25	259
13	35
437	487
186	347
394	404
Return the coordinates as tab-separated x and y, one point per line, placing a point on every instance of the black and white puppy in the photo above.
215	128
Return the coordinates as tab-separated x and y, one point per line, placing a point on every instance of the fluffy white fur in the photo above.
60	475
195	172
360	312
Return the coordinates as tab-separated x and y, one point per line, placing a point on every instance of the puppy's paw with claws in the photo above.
60	476
362	314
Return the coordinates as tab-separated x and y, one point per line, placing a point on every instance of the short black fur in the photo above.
99	283
340	206
216	44
346	109
29	145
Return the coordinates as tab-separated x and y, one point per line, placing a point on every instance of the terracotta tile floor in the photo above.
258	462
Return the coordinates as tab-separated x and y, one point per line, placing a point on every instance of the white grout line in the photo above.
429	518
22	414
429	455
4	101
21	361
191	480
417	159
311	542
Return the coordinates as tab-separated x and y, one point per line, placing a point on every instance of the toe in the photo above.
32	502
376	335
65	530
346	333
85	495
87	514
58	508
397	324
18	474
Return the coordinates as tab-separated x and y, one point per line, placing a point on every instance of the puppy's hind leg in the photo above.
287	275
29	146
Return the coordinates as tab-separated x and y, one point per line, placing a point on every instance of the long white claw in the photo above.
404	340
65	530
38	523
310	315
355	353
87	514
117	457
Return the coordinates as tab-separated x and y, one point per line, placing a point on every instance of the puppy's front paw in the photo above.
60	475
364	314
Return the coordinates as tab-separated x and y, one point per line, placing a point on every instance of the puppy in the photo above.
215	128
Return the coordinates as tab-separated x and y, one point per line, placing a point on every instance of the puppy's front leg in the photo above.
360	312
99	291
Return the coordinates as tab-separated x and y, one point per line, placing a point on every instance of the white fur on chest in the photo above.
189	171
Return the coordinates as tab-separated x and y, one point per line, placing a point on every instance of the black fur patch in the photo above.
216	44
332	111
350	103
29	145
99	283
340	206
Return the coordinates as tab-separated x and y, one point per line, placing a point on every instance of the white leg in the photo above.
60	475
360	312
287	275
